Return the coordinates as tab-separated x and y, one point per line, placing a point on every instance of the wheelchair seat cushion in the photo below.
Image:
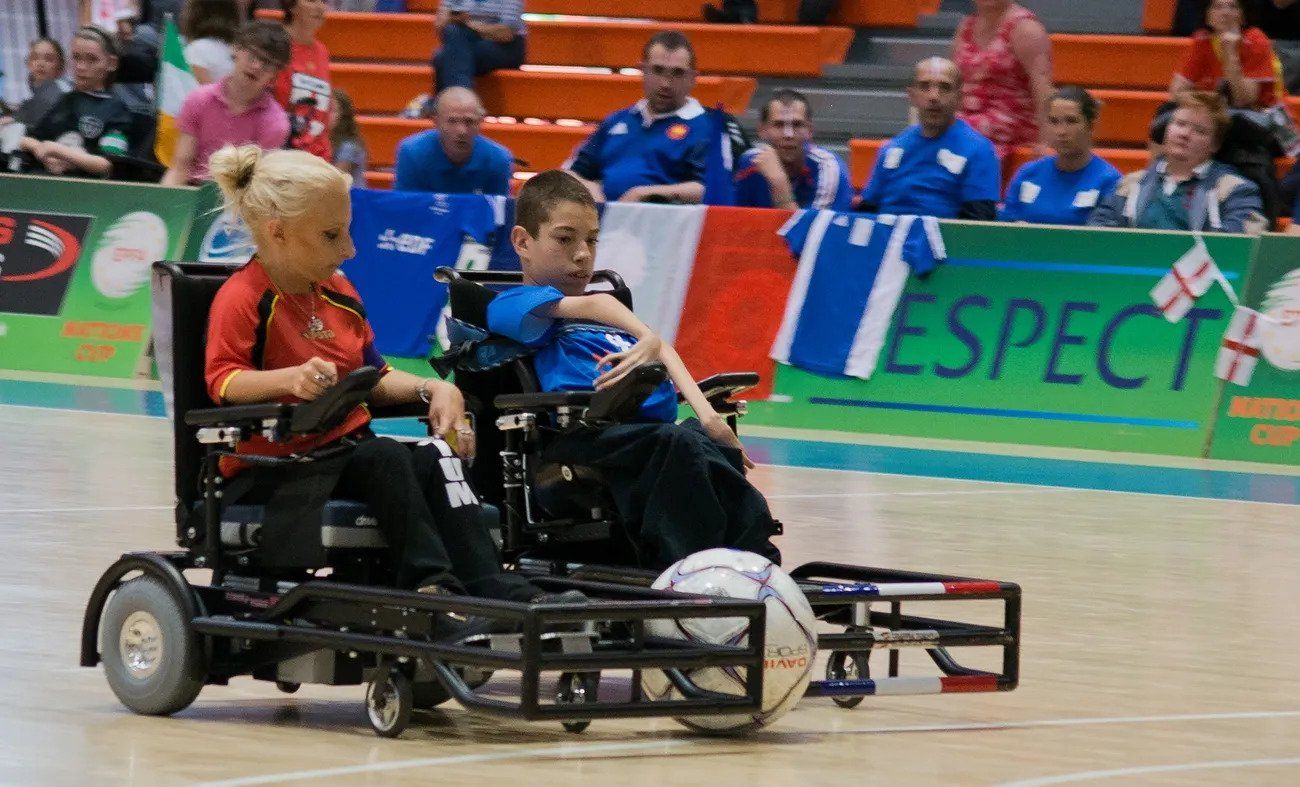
345	524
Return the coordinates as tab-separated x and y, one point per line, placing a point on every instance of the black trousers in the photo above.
428	513
677	490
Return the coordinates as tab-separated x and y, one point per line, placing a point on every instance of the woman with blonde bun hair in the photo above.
285	327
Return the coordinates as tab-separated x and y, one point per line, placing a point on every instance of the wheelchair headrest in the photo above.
469	292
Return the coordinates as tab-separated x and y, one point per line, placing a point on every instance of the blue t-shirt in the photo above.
567	349
1042	194
933	177
401	239
823	183
631	149
422	165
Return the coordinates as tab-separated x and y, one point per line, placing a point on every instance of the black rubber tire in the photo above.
577	687
169	672
288	686
389	714
837	668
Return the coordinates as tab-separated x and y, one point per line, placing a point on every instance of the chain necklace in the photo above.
316	329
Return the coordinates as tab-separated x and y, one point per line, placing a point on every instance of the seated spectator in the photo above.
1185	189
303	87
478	37
87	123
787	170
1232	57
1064	188
940	166
657	149
45	80
454	158
240	109
1280	21
345	137
209	28
1004	56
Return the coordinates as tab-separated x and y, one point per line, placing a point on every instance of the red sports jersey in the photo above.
303	89
1203	66
253	326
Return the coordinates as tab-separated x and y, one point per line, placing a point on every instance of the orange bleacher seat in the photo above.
855	13
1116	61
540	147
542	94
1158	15
765	50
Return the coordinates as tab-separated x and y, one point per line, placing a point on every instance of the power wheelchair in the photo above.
163	630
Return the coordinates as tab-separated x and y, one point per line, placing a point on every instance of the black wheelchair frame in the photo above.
300	626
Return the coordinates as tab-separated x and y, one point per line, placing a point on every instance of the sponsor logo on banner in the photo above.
120	267
405	242
38	255
227	242
1281	332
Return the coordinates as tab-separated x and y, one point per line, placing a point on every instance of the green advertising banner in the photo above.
1036	335
1261	421
74	270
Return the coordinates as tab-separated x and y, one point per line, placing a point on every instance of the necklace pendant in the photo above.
316	329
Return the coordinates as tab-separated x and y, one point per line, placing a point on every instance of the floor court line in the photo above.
87	510
1146	770
936	493
578	750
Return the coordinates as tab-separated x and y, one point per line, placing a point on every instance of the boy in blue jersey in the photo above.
940	167
679	488
454	158
658	148
788	170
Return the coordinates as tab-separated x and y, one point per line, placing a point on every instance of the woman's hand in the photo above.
621	364
719	432
311	379
447	416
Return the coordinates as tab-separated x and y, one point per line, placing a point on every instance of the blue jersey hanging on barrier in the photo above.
852	270
401	239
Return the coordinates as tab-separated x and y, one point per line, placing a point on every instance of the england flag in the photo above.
1240	349
852	270
1188	280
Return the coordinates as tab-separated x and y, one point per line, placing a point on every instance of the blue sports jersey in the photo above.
823	183
422	165
933	177
632	148
401	239
1039	193
567	349
852	270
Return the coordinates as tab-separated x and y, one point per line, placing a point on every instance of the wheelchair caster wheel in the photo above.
389	702
846	665
152	659
287	686
576	688
428	696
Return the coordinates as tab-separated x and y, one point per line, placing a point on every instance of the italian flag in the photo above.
175	81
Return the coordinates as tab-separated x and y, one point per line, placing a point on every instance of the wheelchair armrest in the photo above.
727	384
238	414
543	401
404	410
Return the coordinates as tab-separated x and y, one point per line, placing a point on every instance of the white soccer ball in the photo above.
791	638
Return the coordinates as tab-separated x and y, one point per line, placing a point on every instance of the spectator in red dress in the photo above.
303	88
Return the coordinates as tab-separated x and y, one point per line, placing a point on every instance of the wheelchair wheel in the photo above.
287	686
389	702
576	688
152	659
848	665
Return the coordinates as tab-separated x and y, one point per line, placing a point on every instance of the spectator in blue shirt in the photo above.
1064	188
941	166
453	158
478	37
788	170
657	149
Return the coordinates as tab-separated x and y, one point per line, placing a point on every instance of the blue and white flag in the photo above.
852	270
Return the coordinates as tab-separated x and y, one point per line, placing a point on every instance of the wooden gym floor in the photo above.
1160	629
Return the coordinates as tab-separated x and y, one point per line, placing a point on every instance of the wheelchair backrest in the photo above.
182	297
469	293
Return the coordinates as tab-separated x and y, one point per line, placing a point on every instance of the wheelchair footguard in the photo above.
866	605
161	651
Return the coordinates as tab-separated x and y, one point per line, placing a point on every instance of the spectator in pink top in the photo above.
239	110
